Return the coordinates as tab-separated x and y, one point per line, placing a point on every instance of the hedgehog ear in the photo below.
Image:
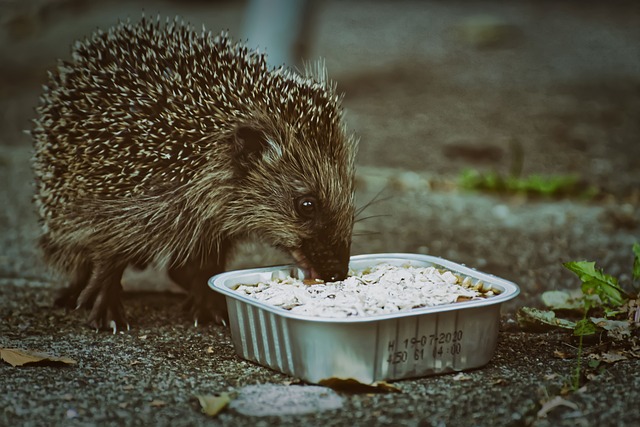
249	144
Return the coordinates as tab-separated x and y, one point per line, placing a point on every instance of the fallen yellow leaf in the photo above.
20	357
354	386
213	404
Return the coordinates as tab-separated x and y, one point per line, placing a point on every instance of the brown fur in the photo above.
155	143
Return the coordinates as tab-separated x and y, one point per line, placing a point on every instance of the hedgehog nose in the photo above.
335	276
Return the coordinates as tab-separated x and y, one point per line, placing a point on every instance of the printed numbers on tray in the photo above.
422	347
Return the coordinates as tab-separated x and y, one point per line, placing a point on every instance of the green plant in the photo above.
600	291
533	185
602	306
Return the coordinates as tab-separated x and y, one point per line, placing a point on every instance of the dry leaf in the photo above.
534	320
499	381
566	389
20	357
561	355
554	403
351	385
156	403
460	376
612	357
213	404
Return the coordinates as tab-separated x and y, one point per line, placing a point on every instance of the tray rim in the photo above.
511	290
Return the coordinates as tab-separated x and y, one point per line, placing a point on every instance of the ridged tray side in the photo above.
392	349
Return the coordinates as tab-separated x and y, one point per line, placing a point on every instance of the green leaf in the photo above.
473	180
532	319
593	363
550	185
493	181
636	261
596	282
562	300
611	313
584	327
621	327
470	179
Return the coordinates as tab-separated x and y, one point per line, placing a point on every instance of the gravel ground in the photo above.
432	88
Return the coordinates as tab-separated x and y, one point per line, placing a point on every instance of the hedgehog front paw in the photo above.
107	313
104	303
206	307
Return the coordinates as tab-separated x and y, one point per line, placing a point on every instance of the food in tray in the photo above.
380	289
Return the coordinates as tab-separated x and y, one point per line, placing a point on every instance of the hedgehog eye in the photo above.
307	206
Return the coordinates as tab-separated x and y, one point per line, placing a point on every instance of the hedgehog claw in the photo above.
107	313
205	309
114	326
101	295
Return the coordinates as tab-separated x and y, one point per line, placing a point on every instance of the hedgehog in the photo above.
157	143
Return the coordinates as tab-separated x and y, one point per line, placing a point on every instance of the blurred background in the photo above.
433	89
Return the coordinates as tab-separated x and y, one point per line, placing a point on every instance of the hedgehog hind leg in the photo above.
102	295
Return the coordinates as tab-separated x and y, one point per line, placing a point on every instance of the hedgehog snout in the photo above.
326	261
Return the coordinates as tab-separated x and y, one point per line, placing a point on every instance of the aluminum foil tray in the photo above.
415	343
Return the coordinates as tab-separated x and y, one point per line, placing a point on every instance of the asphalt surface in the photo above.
432	88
